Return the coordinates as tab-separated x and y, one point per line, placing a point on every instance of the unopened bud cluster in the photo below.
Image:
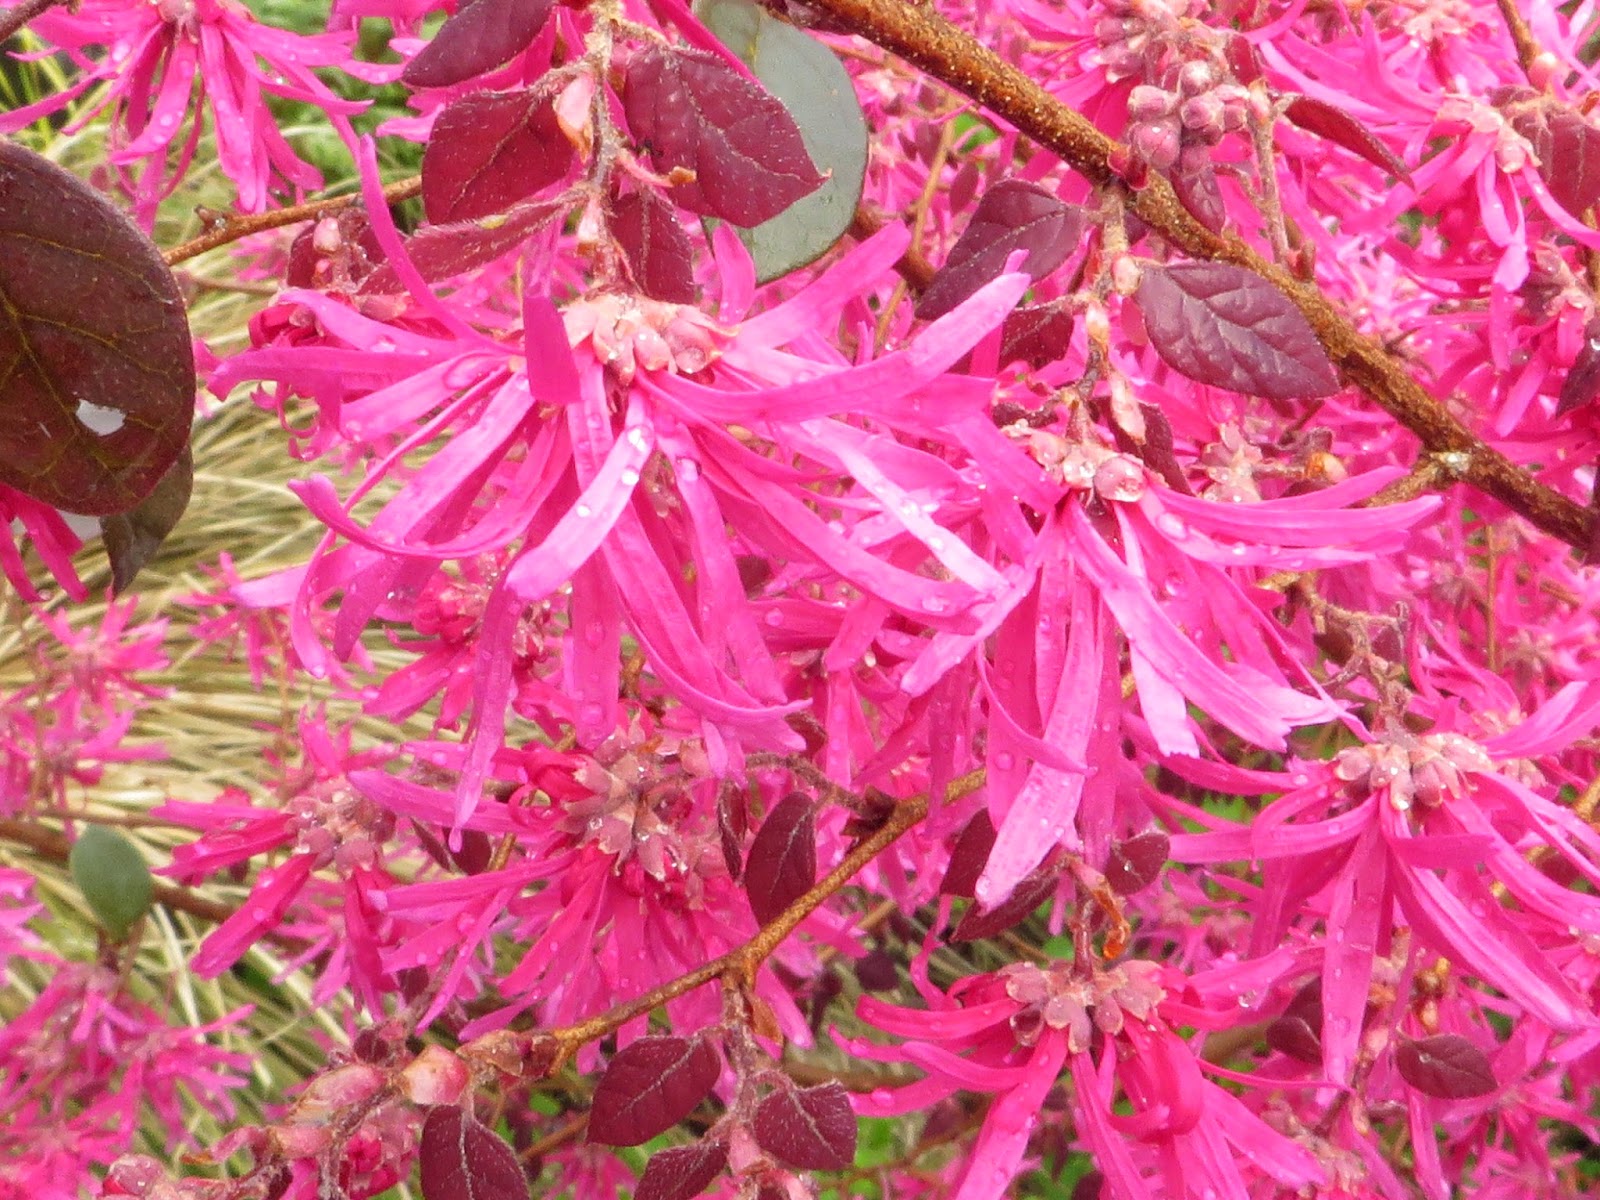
1168	126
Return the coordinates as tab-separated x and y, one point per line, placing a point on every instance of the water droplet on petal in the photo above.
583	510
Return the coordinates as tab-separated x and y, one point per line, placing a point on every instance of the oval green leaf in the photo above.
811	83
94	346
113	877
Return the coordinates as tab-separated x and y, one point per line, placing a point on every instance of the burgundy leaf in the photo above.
132	538
1225	326
811	1129
1446	1065
969	857
1296	1037
649	1087
1027	896
692	111
1565	141
481	36
1244	58
1340	128
1135	863
1582	383
681	1172
463	1159
732	823
337	251
489	150
876	972
782	864
1037	334
441	251
1013	215
657	248
1157	452
1198	192
94	347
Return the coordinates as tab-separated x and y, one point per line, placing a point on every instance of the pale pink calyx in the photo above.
1407	768
1083	466
1061	997
631	333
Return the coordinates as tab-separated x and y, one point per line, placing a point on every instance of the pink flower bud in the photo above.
1146	103
1196	77
341	1088
1156	143
435	1076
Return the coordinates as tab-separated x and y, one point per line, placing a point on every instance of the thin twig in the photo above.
743	962
1521	37
236	227
14	20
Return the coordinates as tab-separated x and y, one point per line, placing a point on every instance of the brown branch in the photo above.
14	20
918	34
235	227
1521	37
744	961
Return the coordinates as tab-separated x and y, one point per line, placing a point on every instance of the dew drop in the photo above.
935	604
1004	761
1172	525
774	617
584	511
630	477
688	470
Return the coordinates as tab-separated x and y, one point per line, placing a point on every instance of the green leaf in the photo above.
811	83
113	877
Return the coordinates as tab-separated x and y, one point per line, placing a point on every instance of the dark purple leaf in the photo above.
441	251
463	1159
1244	59
1566	142
1027	896
489	150
1340	128
1089	1187
132	538
733	820
1198	192
876	972
1037	334
813	1129
782	864
649	1087
1296	1037
657	248
681	1172
1013	215
969	857
1446	1065
1582	384
483	35
1225	326
337	251
1135	863
94	347
692	111
1157	453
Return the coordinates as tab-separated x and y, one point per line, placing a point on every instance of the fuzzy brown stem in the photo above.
13	21
744	961
1521	36
236	227
919	35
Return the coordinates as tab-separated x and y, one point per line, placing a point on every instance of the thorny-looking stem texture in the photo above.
927	40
